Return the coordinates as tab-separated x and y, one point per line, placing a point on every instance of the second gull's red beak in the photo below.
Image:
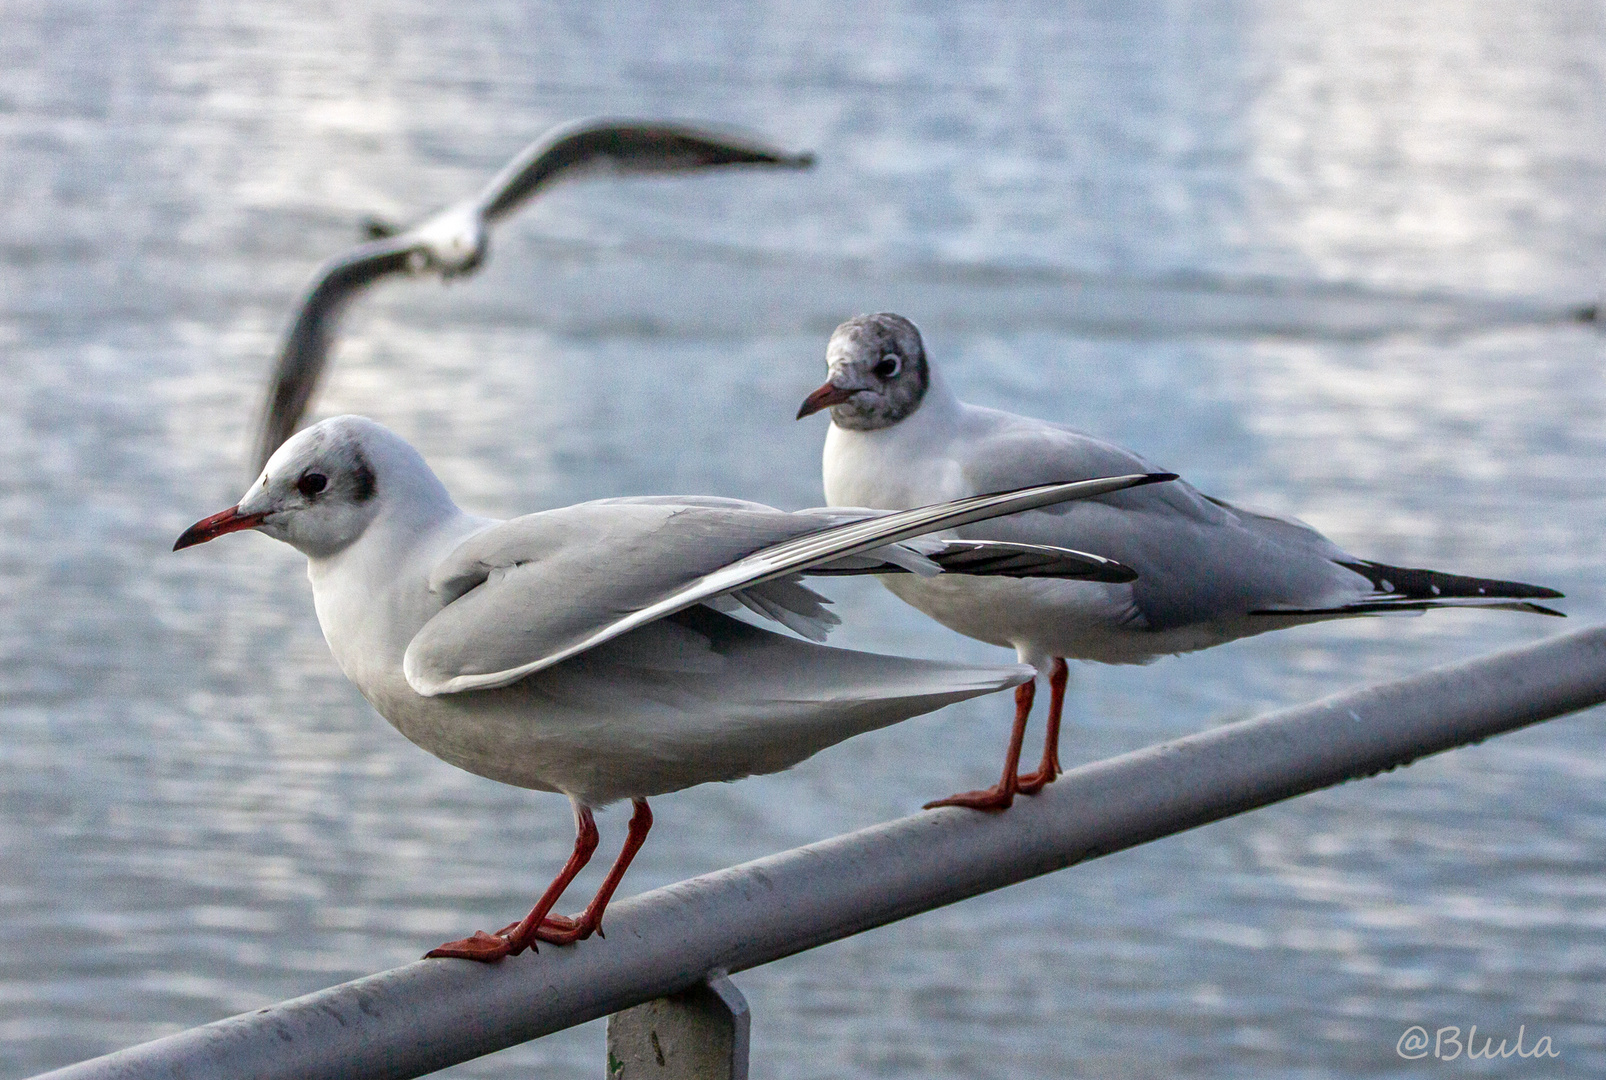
210	528
823	398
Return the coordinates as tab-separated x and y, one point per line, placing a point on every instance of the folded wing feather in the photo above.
526	594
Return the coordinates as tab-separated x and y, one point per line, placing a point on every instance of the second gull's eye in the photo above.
312	483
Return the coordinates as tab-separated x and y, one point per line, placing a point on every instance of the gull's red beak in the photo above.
823	398
210	528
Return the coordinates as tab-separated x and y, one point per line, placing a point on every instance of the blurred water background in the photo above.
1318	257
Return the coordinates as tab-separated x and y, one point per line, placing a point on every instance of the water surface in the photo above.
1318	260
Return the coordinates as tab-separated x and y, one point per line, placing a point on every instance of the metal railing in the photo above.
434	1013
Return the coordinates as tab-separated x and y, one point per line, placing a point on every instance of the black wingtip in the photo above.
1157	478
1417	584
1588	313
1396	606
803	160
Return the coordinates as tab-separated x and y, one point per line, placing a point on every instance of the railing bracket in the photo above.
698	1034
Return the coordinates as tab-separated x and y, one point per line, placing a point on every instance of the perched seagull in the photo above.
1207	572
583	650
454	241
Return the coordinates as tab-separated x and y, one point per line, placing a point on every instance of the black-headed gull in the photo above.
581	650
454	241
1208	572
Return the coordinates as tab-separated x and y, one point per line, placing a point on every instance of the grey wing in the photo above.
1394	589
1197	559
924	555
623	146
783	600
527	594
547	583
306	347
823	547
1013	451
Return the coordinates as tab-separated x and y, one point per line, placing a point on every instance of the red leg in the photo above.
561	931
1033	782
1000	795
515	938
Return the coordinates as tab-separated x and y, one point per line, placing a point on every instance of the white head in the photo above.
322	489
451	243
878	373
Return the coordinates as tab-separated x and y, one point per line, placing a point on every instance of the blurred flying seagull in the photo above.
1207	572
453	242
584	649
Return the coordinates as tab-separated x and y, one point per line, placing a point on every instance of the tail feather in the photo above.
1406	589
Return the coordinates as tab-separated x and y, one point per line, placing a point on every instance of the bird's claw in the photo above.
482	947
1033	782
562	930
991	799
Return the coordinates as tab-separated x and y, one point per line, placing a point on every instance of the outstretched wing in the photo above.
533	592
623	146
306	347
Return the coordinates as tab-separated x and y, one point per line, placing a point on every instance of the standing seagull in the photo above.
580	650
1207	572
453	242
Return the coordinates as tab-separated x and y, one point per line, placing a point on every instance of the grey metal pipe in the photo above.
434	1013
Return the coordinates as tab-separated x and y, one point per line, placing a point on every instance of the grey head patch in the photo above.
882	356
364	486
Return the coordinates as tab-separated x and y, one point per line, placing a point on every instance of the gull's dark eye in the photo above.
312	483
889	367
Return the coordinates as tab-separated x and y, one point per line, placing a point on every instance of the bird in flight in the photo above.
453	242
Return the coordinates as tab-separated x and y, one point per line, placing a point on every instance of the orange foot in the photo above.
562	930
992	799
490	947
482	947
1033	782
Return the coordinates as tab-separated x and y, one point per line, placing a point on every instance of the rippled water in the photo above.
1320	260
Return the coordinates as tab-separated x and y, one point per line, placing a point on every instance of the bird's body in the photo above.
1207	572
693	698
583	650
455	241
1202	567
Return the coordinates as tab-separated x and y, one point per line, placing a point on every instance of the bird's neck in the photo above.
373	597
939	406
900	466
